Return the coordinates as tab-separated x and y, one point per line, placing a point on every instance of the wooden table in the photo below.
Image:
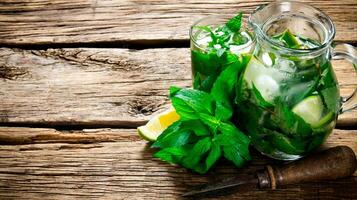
77	77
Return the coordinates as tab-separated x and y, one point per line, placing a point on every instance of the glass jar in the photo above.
288	98
209	62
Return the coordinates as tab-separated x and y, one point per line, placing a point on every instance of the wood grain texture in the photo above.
22	135
125	169
133	21
105	87
102	87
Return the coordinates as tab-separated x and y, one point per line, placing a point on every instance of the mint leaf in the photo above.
284	119
197	127
172	154
225	82
204	28
223	111
197	154
181	133
208	82
234	24
235	144
239	39
212	122
197	81
174	90
173	136
231	153
205	63
189	103
171	131
259	98
287	39
223	89
212	34
213	156
232	137
285	144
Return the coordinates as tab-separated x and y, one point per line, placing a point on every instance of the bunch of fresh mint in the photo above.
205	131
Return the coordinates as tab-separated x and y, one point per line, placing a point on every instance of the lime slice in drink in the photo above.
256	73
310	109
158	124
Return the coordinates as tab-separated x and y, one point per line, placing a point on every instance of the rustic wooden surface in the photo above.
117	164
123	22
102	87
67	115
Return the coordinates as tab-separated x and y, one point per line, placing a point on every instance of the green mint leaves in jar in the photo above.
287	104
215	47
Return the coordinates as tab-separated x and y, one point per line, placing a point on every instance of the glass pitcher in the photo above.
288	97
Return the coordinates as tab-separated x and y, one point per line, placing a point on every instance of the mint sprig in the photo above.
234	24
205	132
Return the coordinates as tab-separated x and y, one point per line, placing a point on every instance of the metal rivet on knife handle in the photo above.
272	177
337	162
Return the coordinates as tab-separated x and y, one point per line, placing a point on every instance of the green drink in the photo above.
287	98
287	105
217	43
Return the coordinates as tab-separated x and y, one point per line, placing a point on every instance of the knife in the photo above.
333	163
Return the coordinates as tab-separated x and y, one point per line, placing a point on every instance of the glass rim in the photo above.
220	16
260	33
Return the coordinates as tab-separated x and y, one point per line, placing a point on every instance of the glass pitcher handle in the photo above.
348	52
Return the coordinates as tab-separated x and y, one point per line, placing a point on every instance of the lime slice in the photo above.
310	109
158	124
256	73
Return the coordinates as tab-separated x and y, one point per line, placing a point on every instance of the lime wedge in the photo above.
158	124
310	109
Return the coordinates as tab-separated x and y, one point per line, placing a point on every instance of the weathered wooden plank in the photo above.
105	87
101	87
21	135
132	21
125	169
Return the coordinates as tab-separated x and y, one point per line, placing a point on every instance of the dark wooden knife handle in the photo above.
336	162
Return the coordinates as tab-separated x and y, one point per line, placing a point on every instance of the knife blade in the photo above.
333	163
240	184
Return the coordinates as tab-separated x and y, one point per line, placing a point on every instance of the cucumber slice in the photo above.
310	109
256	73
